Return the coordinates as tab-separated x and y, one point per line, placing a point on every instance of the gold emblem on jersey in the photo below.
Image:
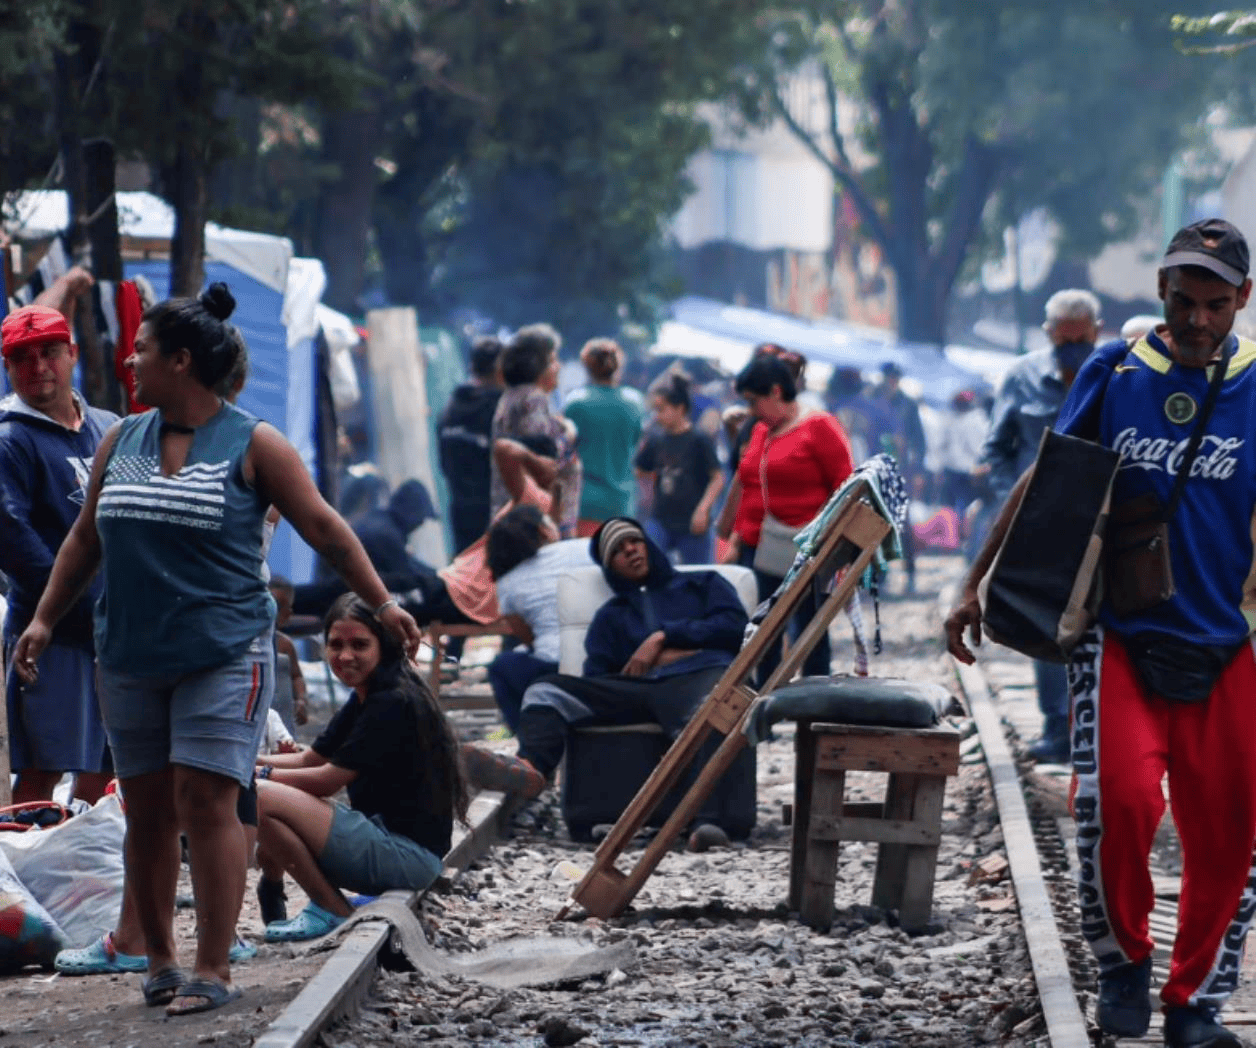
1180	408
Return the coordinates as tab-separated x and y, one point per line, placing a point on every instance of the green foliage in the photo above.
30	33
1225	32
579	119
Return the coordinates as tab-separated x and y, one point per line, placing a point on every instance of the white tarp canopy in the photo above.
38	214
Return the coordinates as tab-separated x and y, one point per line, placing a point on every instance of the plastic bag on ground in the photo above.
28	934
74	870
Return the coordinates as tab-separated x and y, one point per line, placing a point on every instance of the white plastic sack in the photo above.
28	934
74	870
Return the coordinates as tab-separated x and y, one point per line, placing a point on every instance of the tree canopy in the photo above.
969	116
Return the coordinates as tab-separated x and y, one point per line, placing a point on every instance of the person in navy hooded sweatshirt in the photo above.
653	652
48	437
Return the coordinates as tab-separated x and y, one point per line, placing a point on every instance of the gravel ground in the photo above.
721	961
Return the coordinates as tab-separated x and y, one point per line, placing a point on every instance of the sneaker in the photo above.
1196	1027
1125	1000
487	770
311	923
706	837
272	900
100	958
501	734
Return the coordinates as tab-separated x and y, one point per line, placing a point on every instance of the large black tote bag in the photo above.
1042	591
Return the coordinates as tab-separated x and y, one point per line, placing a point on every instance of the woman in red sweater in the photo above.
795	459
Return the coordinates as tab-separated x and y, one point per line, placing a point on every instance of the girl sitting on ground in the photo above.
392	749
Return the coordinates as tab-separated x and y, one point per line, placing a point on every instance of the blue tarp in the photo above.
832	342
277	391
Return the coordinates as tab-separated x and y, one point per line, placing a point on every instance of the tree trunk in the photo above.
186	186
351	142
106	247
187	179
69	92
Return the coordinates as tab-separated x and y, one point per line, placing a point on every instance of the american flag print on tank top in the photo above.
135	489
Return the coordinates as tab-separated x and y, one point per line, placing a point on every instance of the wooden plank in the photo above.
881	831
1065	1023
891	871
804	772
728	707
819	879
910	753
922	862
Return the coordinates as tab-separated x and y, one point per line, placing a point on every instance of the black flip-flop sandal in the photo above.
163	987
213	995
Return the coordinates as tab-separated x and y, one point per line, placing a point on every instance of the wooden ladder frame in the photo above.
605	891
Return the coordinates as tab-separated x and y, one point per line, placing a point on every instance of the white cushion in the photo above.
582	591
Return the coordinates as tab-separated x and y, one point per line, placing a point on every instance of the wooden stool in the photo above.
907	825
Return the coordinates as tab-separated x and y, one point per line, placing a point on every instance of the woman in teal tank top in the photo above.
173	520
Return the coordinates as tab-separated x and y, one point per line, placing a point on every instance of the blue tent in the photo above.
276	317
832	342
280	388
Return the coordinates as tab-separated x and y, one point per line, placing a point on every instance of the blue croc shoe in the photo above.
241	950
311	923
100	958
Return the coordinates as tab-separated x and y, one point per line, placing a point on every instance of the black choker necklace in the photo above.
175	427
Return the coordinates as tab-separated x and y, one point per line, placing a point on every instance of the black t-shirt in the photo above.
380	740
682	464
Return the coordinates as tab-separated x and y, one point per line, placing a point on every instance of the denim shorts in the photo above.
361	855
212	720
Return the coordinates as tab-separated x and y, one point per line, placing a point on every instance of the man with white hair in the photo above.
1028	404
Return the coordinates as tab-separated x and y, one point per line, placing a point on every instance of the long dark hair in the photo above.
435	739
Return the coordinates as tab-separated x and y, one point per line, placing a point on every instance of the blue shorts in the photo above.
363	856
212	720
55	723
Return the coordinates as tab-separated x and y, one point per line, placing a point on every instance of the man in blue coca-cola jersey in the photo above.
1168	689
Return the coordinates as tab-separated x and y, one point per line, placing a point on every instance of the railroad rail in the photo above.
341	985
1042	870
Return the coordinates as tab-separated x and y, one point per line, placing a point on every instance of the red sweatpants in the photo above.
1124	742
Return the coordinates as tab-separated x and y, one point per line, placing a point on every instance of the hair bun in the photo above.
680	382
218	300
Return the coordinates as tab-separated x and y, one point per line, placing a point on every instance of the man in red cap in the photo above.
48	436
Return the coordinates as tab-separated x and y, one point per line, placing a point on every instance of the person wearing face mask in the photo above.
1028	403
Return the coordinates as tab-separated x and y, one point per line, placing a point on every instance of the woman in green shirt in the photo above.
608	419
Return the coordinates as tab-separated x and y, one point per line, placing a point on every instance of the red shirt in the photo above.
804	467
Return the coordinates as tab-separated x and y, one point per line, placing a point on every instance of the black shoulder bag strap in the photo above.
1197	436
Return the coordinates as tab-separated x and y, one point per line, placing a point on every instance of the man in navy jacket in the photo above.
653	651
48	437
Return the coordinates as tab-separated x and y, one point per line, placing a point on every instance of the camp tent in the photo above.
728	333
277	310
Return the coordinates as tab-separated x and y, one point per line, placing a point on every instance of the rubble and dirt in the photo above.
721	961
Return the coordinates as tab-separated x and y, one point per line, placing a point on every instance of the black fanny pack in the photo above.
1176	670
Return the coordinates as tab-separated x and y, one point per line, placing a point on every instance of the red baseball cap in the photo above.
32	325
